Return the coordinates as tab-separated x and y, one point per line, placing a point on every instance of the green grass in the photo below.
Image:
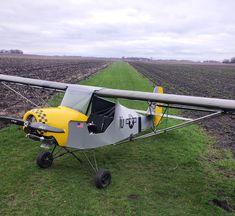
171	174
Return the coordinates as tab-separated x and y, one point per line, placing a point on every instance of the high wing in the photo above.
172	99
34	82
169	100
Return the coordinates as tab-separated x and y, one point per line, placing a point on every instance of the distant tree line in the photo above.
211	61
12	51
231	61
136	59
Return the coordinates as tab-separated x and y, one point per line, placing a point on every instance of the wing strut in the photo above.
181	125
171	128
18	93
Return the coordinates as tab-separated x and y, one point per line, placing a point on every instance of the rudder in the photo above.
158	109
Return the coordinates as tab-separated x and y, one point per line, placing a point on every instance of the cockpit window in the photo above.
77	99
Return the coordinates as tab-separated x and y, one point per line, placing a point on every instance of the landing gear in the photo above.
102	179
45	159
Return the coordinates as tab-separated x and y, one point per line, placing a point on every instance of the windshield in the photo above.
77	98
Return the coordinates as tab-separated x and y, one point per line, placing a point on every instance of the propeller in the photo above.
44	127
10	120
31	125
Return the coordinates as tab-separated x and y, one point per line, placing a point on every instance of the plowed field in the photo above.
198	80
67	70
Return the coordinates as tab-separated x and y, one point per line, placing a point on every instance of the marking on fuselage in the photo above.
131	121
121	122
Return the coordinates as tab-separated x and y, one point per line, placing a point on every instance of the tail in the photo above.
158	109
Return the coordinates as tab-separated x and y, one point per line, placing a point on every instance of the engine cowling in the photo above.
58	117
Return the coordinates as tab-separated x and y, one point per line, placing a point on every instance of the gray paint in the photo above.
80	138
34	82
211	103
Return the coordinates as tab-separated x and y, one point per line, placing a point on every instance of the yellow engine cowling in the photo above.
58	117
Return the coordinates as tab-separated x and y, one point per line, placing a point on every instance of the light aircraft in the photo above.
87	119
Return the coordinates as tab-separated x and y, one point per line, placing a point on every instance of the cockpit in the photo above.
100	111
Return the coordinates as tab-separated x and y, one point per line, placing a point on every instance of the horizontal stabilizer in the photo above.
164	115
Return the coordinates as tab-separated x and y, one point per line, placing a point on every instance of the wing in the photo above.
172	99
169	100
34	82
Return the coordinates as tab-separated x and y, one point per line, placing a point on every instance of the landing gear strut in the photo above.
102	177
46	158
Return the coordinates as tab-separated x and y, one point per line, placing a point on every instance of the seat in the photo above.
98	122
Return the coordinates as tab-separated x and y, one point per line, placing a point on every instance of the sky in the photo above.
159	29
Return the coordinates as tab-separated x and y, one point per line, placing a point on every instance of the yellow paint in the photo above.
58	117
158	110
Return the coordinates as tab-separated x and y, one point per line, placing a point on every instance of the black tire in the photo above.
44	159
102	179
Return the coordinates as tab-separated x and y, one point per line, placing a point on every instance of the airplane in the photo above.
88	119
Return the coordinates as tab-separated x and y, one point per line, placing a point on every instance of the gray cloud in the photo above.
179	29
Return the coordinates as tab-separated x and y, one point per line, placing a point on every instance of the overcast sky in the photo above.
162	29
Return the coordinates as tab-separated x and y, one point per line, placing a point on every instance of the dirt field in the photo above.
67	69
190	79
198	80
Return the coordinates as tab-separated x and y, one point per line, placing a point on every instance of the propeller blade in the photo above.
32	125
44	127
11	120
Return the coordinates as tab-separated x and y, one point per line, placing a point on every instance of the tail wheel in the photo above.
102	179
45	159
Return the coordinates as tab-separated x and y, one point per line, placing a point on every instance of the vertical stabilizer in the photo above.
158	109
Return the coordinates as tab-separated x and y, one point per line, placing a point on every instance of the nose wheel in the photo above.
45	159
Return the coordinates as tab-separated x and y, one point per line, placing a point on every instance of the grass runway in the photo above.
171	174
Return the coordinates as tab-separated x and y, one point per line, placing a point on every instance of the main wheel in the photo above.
102	179
44	159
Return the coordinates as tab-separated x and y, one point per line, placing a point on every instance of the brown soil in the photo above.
67	70
198	80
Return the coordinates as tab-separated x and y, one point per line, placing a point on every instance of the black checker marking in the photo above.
39	112
41	116
43	120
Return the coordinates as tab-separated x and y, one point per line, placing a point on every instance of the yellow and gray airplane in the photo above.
86	119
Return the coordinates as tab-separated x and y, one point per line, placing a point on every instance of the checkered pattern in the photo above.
42	118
